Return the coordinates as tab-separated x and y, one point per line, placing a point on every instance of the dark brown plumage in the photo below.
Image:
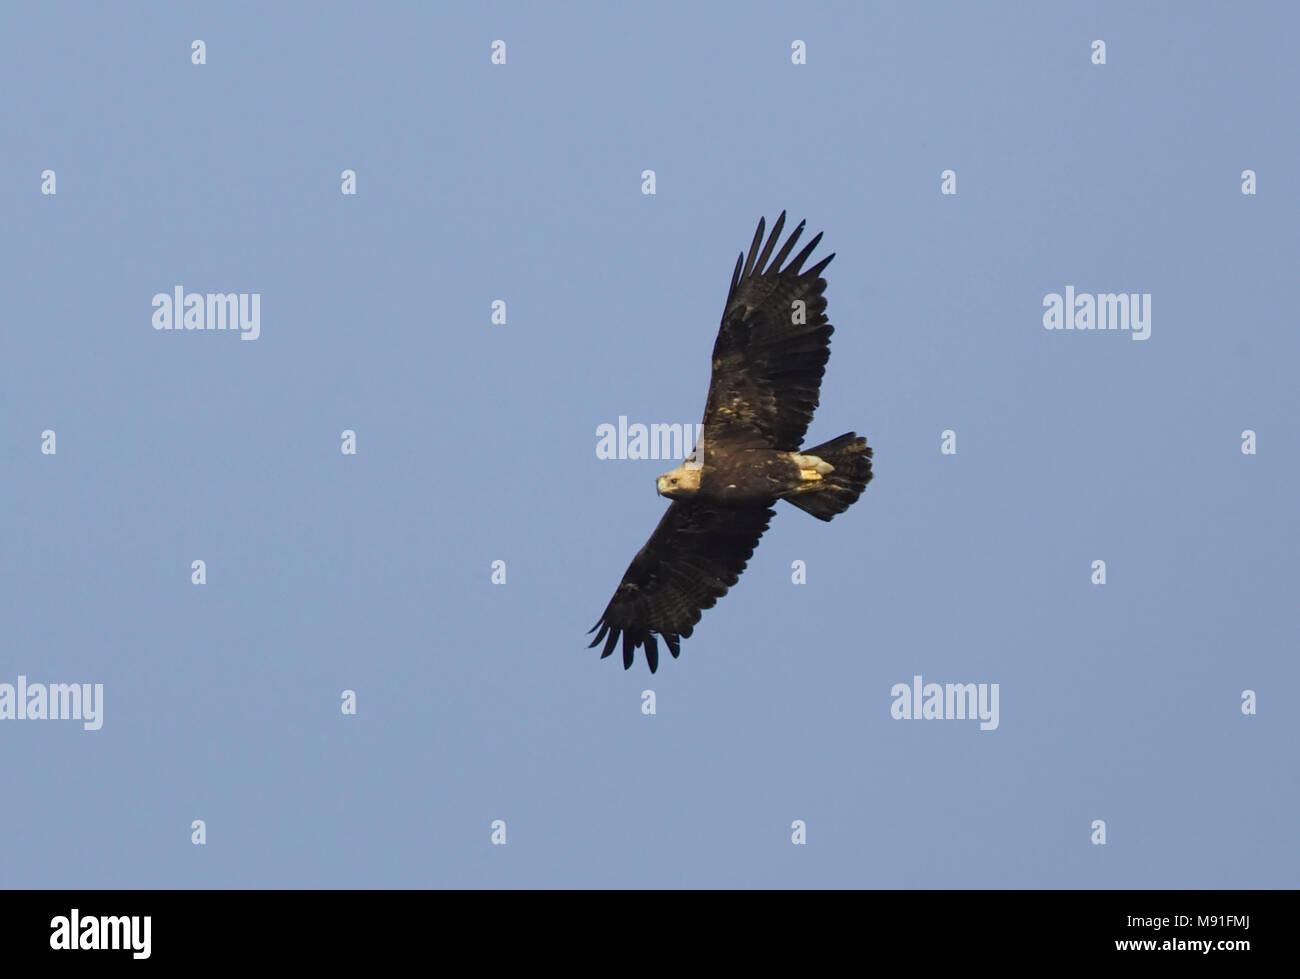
768	361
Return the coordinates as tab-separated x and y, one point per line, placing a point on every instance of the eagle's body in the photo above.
747	477
768	361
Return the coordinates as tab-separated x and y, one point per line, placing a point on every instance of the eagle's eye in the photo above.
672	480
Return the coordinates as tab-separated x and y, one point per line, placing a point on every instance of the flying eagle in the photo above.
768	361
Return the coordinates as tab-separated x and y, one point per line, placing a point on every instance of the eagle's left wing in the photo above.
771	349
695	554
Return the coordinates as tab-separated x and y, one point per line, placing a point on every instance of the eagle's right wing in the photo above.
695	554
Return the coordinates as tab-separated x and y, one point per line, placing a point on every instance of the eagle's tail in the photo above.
850	459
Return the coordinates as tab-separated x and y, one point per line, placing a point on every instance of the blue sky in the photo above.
476	443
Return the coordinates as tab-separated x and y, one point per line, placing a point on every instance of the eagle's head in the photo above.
682	483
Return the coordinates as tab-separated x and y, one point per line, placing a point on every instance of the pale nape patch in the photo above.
686	477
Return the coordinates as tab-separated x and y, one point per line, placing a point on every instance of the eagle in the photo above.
768	361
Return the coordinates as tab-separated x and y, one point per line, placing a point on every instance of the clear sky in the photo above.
476	443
